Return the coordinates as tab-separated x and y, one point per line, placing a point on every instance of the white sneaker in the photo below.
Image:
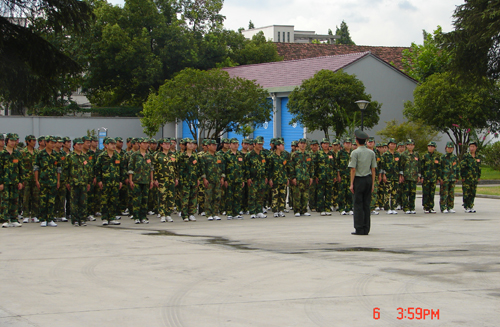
389	212
180	214
408	212
216	217
264	210
76	224
451	211
104	222
26	220
224	213
374	212
114	222
343	213
445	211
398	208
125	213
202	214
467	210
328	213
472	210
297	214
394	212
241	212
163	219
210	218
98	214
351	212
19	216
413	212
427	211
239	217
432	211
323	213
42	224
131	217
16	224
35	220
151	213
64	219
286	210
276	215
192	218
91	218
145	221
158	215
261	215
247	213
5	225
253	217
137	221
377	209
229	217
307	214
185	219
118	217
281	214
169	219
52	224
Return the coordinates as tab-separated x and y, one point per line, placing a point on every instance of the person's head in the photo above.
78	144
347	144
11	140
431	146
234	144
153	145
59	143
41	141
410	145
144	143
258	144
111	144
30	141
211	146
325	144
314	145
119	143
50	143
472	147
66	143
370	143
449	147
302	144
191	145
86	143
182	145
227	144
401	147
392	144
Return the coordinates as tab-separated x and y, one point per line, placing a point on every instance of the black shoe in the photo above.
358	233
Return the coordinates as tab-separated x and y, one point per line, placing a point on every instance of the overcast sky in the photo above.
370	22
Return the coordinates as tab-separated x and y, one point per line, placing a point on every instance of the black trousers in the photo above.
362	199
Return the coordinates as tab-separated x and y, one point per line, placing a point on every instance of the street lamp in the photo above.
362	104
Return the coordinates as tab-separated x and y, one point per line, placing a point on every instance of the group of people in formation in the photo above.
63	178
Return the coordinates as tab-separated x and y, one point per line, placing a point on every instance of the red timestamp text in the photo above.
411	313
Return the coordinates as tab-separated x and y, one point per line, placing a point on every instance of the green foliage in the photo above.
114	111
454	107
91	133
421	61
419	131
250	25
326	101
475	42
491	155
345	36
210	102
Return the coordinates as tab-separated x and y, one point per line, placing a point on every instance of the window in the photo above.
288	37
278	36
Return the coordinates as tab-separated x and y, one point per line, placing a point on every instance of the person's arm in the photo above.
353	174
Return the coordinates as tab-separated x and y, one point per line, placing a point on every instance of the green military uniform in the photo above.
470	170
344	193
110	171
235	177
390	165
410	167
61	192
190	171
31	196
278	173
213	170
153	198
256	171
140	167
313	187
301	170
325	172
79	178
11	174
165	173
448	175
201	187
429	169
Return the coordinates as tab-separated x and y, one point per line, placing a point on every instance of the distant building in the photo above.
288	34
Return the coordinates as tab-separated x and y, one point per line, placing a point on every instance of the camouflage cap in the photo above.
40	138
325	140
209	141
109	140
129	139
392	140
77	140
449	145
410	141
145	139
51	138
335	142
93	138
247	141
12	136
85	138
133	140
260	138
2	137
302	140
225	140
189	140
348	140
379	145
473	142
431	143
29	138
251	141
371	139
152	140
183	141
314	142
384	143
278	142
294	143
401	144
66	139
60	139
234	140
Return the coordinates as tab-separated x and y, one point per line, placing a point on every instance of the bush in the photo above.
491	155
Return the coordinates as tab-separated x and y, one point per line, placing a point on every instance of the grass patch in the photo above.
489	173
486	190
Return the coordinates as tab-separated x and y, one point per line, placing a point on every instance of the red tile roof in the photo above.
292	72
294	51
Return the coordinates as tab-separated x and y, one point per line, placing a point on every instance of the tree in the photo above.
343	32
211	102
418	131
455	107
326	101
475	42
29	65
421	61
250	25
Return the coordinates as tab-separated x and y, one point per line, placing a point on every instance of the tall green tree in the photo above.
475	42
455	107
250	25
345	36
418	131
326	102
211	102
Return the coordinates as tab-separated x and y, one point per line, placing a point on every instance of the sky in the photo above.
370	22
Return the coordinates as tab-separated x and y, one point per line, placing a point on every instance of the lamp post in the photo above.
362	104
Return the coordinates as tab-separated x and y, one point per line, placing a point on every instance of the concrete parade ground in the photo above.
439	269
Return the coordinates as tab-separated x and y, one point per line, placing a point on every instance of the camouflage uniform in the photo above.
111	172
429	167
92	194
79	176
212	168
48	167
301	169
190	171
391	169
278	173
235	174
344	193
140	167
61	192
410	166
448	174
325	171
10	177
256	170
165	173
373	203
31	197
201	187
470	170
313	194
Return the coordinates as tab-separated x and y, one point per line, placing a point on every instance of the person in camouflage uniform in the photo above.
370	144
126	159
390	174
400	187
91	194
235	174
410	169
313	188
224	149
166	178
10	180
201	187
212	166
336	181
47	170
178	189
256	176
278	177
31	195
61	192
325	172
291	187
344	194
245	148
153	199
447	176
190	171
470	171
429	169
123	191
301	176
79	178
110	174
140	172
